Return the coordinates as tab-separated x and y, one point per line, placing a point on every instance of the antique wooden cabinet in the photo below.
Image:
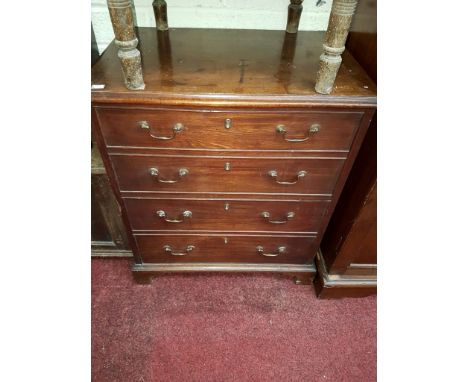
228	160
224	148
347	262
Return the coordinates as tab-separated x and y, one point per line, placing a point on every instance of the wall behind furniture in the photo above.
242	14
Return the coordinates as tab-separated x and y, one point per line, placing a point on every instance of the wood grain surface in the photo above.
226	215
209	174
235	67
225	248
206	129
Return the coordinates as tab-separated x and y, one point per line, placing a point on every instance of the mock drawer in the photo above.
225	215
226	248
226	175
182	129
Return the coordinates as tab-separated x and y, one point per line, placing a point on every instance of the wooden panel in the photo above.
246	130
358	269
335	286
360	244
211	248
208	174
108	234
225	215
362	40
363	47
352	233
344	291
97	166
99	230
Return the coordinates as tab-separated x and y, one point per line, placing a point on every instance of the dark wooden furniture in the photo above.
108	234
228	160
347	263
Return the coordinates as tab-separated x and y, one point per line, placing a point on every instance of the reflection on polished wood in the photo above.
206	65
165	55
287	57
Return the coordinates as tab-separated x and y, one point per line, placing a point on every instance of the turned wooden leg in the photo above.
294	16
338	27
121	15
143	277
160	14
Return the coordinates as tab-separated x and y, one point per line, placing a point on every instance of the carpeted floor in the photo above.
225	327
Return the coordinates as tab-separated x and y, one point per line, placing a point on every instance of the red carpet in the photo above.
225	327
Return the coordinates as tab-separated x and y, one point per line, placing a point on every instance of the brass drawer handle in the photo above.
162	214
189	248
279	251
154	172
274	174
289	216
178	127
315	128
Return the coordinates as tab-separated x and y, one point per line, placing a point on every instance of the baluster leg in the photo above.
160	14
338	27
294	16
121	15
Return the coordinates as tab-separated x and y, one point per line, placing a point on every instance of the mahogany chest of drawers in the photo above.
228	161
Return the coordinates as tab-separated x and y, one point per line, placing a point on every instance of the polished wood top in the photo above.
231	68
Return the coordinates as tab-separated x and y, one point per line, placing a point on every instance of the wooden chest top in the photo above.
219	67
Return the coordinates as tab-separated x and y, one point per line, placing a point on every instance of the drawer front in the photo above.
228	130
229	248
226	175
225	215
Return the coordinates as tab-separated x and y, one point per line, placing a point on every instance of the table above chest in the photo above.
218	67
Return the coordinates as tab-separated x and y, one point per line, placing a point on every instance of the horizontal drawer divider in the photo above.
222	193
149	195
221	234
177	232
228	150
224	156
223	199
276	109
